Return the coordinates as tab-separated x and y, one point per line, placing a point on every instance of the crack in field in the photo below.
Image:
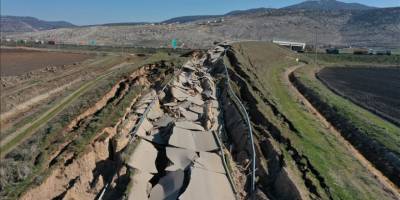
177	155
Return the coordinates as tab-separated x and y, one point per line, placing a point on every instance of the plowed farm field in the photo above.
374	88
14	62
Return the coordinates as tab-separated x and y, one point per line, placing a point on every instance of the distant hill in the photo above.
343	24
331	5
29	24
120	24
328	5
373	26
364	28
185	19
249	11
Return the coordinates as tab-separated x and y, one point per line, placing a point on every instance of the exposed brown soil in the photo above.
20	61
383	180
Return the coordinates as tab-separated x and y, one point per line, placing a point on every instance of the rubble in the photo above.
180	121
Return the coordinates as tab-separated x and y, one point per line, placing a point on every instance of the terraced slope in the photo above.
319	165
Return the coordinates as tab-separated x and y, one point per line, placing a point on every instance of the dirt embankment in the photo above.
383	159
83	175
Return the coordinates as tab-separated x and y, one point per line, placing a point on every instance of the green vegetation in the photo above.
354	59
94	48
264	65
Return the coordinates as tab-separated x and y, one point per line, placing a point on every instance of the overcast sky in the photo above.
83	12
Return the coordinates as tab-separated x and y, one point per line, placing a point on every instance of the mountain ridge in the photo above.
363	28
29	24
332	5
328	5
378	27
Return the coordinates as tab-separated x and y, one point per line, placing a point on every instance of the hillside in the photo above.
29	24
377	27
334	22
328	5
186	19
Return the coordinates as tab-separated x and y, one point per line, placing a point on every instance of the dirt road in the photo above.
383	180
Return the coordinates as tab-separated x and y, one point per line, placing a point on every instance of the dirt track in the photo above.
383	180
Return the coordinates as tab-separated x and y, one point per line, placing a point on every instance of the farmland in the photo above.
376	89
20	61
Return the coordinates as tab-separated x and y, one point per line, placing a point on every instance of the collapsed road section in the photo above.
183	145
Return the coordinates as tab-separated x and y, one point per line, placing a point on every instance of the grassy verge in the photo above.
354	59
344	176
